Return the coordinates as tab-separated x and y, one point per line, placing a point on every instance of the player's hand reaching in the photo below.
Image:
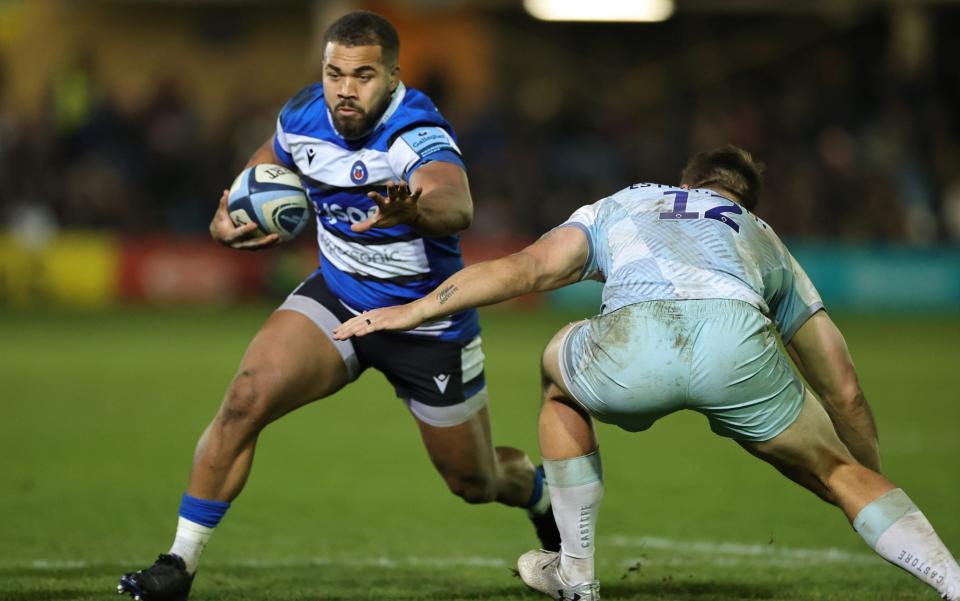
399	206
401	317
243	237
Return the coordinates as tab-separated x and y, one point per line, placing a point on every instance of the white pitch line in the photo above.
664	551
374	562
765	554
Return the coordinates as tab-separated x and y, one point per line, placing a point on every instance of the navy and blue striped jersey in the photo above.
380	267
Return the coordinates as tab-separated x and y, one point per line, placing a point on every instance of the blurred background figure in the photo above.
853	106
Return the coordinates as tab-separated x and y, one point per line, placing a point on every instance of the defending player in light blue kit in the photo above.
696	291
356	139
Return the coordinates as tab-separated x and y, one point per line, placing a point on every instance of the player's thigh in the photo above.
289	363
463	450
551	359
444	387
808	448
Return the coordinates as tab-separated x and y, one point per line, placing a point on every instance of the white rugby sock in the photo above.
189	543
576	488
896	529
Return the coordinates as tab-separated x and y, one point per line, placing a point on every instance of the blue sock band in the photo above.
202	511
874	519
576	471
537	487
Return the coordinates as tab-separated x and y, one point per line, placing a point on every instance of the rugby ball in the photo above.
271	196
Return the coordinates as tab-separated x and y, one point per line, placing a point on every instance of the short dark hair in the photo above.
729	167
364	28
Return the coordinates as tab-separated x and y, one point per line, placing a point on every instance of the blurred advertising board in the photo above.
884	277
71	268
165	269
89	269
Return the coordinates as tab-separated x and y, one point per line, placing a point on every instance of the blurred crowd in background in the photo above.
857	119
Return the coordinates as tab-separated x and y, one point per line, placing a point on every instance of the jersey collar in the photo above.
398	95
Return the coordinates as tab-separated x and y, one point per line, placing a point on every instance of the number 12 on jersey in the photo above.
680	211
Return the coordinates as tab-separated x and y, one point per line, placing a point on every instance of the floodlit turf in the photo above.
99	414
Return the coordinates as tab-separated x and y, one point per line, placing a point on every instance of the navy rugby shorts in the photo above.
441	381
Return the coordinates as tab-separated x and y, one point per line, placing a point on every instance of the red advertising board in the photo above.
164	269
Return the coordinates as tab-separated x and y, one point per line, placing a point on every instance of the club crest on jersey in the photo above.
358	173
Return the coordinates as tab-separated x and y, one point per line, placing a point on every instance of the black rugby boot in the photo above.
166	580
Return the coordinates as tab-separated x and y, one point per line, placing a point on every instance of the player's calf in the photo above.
883	515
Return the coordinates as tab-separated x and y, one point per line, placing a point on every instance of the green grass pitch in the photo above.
99	413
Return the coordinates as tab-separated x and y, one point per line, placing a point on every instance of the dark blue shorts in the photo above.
441	381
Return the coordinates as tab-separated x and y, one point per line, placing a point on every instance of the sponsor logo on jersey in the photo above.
358	173
427	140
362	256
334	213
310	154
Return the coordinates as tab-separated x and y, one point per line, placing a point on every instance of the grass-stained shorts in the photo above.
717	357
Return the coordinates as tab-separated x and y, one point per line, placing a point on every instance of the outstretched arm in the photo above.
437	202
553	261
821	354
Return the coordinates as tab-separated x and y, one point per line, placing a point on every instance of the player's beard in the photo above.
358	126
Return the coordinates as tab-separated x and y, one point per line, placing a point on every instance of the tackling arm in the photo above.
551	262
821	354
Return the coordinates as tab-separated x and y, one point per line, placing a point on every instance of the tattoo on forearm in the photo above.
444	295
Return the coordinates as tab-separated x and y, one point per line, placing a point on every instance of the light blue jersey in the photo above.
380	267
652	242
692	283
